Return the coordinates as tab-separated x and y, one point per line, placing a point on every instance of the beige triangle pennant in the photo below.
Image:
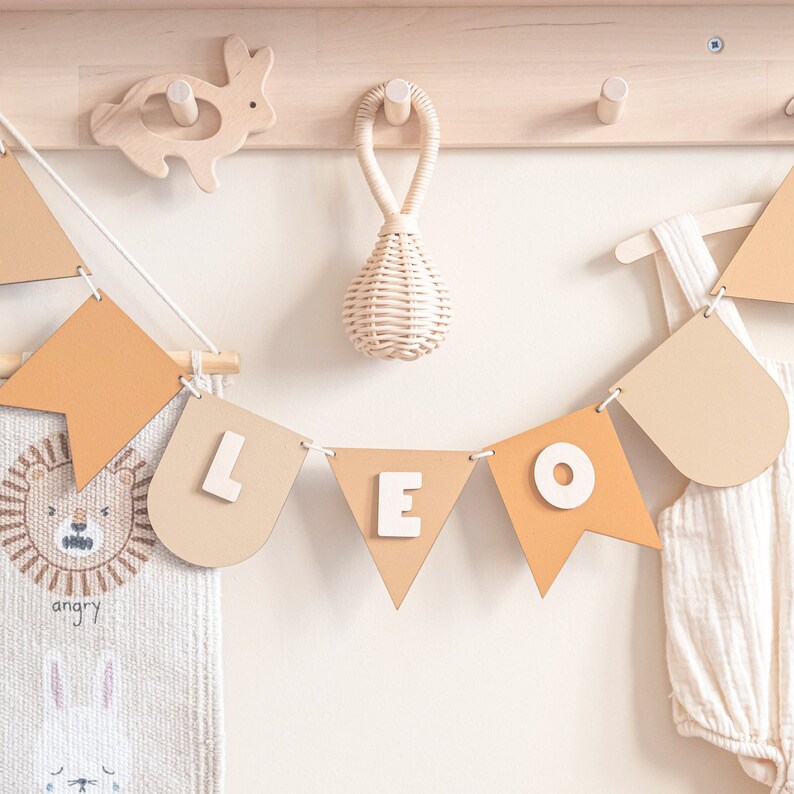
33	247
562	479
400	500
105	374
222	482
708	405
763	267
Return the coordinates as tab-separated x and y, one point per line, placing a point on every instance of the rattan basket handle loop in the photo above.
399	221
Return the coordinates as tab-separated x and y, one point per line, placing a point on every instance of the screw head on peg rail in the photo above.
612	100
397	102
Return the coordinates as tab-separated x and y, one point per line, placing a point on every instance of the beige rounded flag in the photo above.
708	405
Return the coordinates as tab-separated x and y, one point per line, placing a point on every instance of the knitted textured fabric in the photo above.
110	644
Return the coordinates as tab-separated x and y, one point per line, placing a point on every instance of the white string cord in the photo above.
109	236
713	304
318	448
484	454
81	271
612	396
190	387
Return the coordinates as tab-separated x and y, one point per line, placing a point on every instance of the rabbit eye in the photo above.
253	104
107	772
51	512
105	511
57	773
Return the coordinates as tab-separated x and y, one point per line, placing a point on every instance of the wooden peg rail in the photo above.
225	363
498	76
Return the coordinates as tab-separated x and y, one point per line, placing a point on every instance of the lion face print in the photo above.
75	544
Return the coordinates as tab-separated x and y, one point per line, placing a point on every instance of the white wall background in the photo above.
476	685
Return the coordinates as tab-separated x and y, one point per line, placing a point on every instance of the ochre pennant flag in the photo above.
33	247
763	268
562	479
400	500
105	374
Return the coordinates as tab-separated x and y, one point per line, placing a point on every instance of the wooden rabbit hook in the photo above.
242	106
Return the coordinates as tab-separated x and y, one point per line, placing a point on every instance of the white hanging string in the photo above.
81	271
329	452
713	304
612	396
109	236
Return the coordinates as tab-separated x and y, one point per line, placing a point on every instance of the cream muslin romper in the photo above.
728	567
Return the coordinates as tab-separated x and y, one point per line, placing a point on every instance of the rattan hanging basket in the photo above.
398	306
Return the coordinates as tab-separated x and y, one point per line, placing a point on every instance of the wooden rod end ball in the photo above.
612	101
182	103
397	102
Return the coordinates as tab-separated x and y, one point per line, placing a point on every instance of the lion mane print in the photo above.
75	544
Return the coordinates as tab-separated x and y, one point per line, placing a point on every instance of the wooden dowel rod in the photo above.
222	364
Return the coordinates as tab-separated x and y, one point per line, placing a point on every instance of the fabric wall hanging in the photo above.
398	305
111	644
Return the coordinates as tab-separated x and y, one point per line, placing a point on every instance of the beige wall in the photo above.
476	685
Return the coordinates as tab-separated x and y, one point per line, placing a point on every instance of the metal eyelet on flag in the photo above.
613	395
90	283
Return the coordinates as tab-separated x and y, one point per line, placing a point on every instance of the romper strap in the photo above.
687	274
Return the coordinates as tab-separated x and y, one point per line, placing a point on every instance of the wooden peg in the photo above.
226	363
612	100
182	103
397	102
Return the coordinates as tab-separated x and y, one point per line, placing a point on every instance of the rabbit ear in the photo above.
54	683
264	60
235	56
107	683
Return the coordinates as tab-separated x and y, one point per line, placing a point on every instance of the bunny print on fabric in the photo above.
81	748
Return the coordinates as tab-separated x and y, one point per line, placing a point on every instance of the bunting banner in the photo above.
762	267
400	500
222	482
708	404
562	479
33	247
105	374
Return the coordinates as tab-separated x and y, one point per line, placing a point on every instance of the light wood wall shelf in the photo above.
499	76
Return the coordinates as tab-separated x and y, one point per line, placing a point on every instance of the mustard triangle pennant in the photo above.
33	247
105	374
401	500
763	267
562	479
